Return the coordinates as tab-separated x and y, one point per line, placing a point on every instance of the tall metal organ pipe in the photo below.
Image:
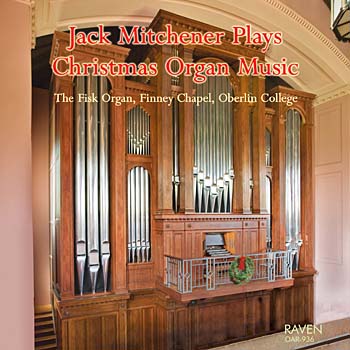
269	209
293	186
80	202
139	244
54	192
92	183
213	172
91	124
176	174
138	142
104	183
268	163
251	157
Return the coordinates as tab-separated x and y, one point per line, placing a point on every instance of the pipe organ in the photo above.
139	189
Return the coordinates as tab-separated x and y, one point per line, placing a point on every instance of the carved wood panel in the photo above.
258	314
293	305
141	328
141	276
221	322
234	242
90	333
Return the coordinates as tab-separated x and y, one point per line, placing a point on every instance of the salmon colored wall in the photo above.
16	231
332	189
40	149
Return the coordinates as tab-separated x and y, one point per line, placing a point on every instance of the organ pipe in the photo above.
92	183
213	172
175	80
138	131
293	186
139	245
104	185
176	175
269	209
251	158
91	201
268	143
54	193
268	163
138	142
80	201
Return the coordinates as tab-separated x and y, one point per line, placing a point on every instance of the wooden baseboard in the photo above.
42	308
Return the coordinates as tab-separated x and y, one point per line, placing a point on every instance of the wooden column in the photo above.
164	135
118	188
241	197
65	252
122	333
307	190
186	131
278	183
259	157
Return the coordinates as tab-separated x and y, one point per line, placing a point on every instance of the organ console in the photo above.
150	202
215	245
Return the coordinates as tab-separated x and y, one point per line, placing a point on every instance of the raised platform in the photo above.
228	289
156	319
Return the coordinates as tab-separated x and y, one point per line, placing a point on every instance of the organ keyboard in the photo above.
215	245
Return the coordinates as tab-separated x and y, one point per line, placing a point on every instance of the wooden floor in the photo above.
45	337
335	335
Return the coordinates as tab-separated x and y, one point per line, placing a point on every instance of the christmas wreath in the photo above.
241	269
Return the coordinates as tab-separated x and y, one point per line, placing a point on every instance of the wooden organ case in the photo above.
139	191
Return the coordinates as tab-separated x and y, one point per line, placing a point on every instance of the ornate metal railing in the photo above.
184	275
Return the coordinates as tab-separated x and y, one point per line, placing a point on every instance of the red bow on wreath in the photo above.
241	265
